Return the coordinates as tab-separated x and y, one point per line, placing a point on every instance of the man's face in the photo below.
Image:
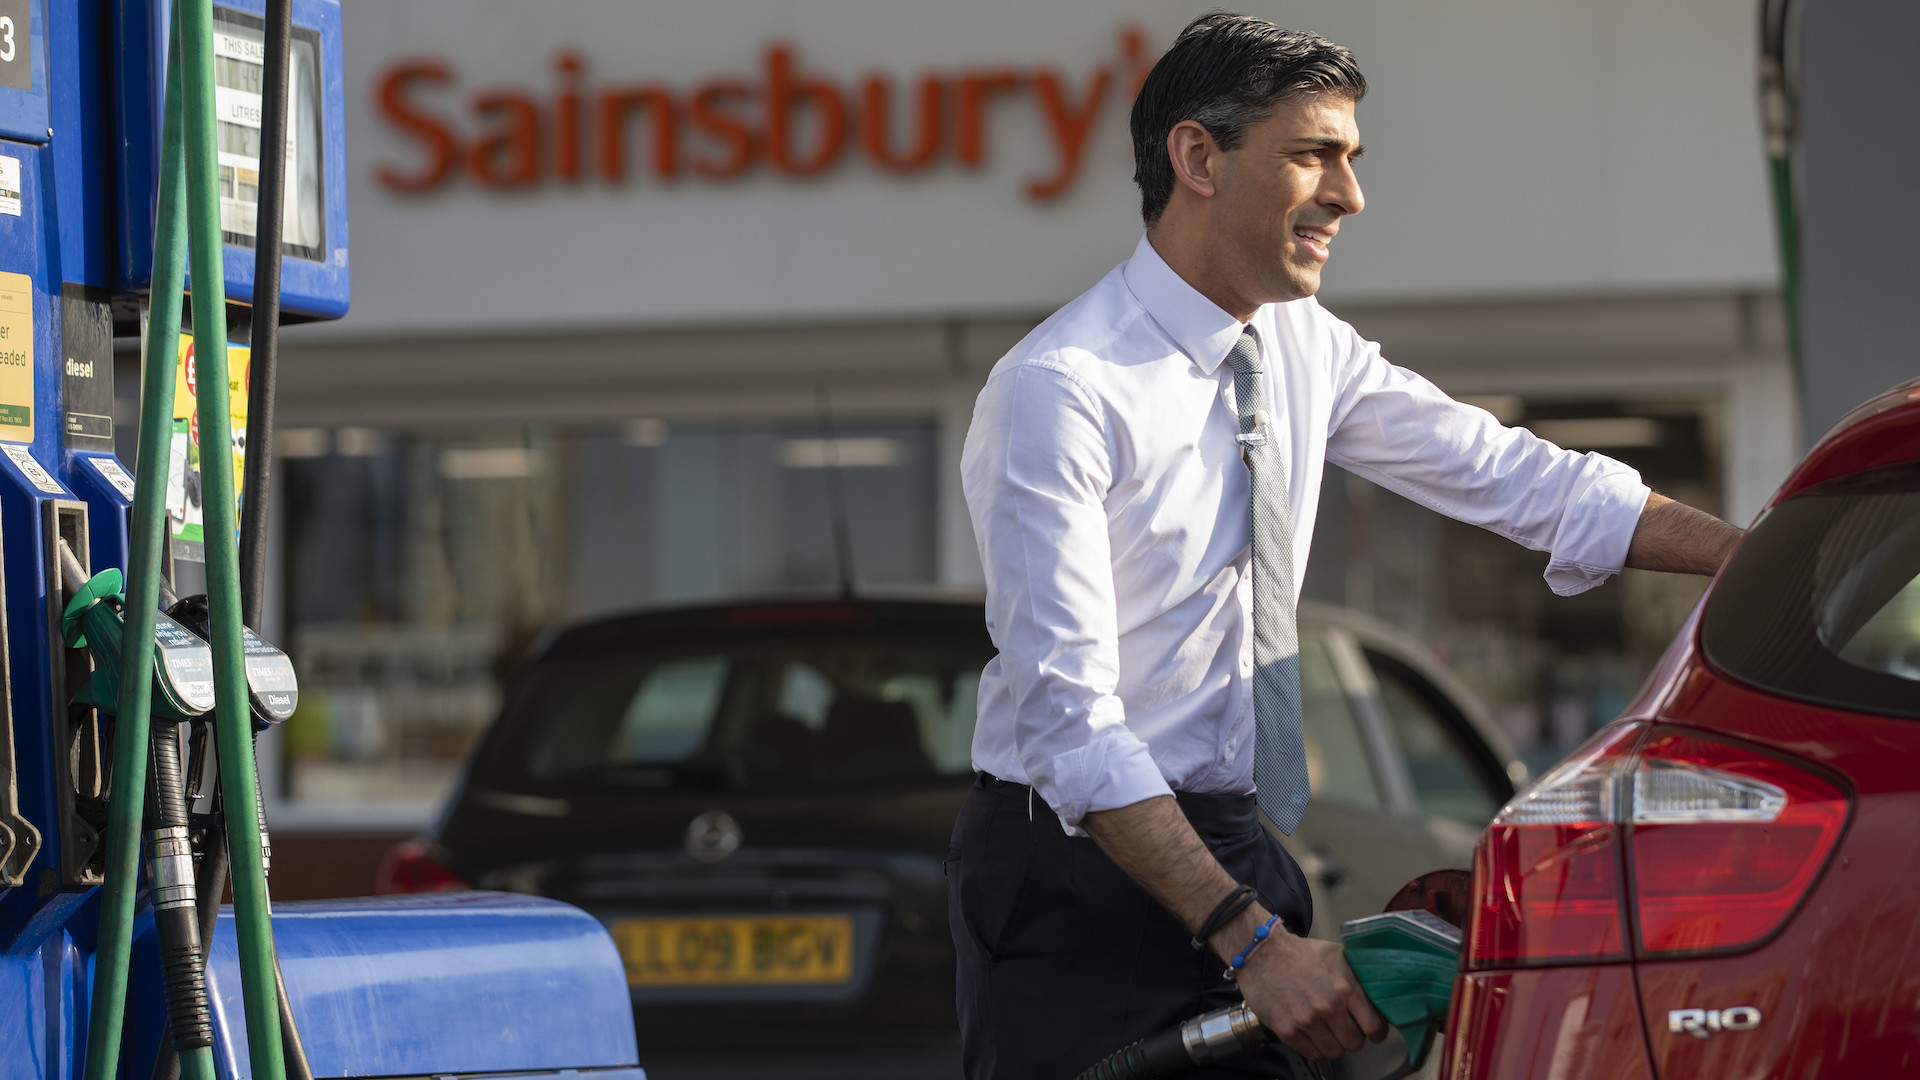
1283	192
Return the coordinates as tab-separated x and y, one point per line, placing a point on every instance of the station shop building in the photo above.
628	278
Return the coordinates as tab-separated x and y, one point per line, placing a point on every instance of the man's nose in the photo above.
1340	191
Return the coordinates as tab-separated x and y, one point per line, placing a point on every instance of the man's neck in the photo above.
1186	254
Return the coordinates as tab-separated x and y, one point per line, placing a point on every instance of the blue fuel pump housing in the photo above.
314	268
453	985
429	985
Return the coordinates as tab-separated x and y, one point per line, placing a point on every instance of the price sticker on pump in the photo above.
37	476
9	186
112	473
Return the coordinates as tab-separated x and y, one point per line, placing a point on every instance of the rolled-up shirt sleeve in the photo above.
1400	431
1036	471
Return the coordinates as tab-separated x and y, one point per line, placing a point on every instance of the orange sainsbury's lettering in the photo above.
711	118
875	120
977	89
662	114
799	122
509	155
787	92
443	153
1070	126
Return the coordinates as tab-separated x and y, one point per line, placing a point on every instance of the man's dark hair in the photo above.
1227	72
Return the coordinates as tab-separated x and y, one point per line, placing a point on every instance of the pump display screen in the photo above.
239	47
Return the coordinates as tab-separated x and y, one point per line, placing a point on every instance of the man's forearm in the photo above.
1677	539
1155	845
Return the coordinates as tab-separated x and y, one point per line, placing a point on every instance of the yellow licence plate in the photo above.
742	950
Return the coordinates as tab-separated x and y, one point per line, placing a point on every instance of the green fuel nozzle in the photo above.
182	663
1406	962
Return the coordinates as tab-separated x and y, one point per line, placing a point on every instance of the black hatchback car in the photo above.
756	799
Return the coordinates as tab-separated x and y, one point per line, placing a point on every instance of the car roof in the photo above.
933	609
1885	430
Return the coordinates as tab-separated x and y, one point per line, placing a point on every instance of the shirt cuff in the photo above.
1112	771
1597	527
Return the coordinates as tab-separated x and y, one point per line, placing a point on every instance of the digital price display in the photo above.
239	71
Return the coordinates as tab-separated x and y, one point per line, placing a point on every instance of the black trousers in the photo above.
1063	958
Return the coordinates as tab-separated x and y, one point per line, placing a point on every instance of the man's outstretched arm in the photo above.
1300	988
1677	539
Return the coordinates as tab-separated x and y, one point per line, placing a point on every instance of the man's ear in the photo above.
1195	157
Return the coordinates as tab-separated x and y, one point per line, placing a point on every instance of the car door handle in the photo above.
1331	870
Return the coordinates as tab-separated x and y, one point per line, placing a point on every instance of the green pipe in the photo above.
1786	220
136	669
233	720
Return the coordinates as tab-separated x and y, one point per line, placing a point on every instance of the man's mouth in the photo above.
1315	241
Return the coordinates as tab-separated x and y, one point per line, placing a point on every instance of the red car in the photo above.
1725	882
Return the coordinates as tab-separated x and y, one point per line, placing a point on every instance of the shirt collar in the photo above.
1196	324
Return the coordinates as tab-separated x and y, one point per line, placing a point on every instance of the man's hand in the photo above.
1301	989
1678	539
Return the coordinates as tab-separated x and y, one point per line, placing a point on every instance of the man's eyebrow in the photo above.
1329	142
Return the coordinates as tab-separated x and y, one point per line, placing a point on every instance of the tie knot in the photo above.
1244	357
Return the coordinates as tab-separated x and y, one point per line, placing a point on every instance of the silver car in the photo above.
1407	767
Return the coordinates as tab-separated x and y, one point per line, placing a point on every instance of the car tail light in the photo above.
411	868
1547	876
1723	841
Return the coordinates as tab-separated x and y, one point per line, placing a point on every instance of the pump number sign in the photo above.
16	59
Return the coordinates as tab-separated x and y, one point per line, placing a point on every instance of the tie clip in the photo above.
1258	436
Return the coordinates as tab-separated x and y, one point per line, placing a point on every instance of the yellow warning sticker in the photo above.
16	357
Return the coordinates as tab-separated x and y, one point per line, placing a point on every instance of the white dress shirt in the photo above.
1111	507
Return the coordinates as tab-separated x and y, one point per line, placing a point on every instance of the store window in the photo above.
418	567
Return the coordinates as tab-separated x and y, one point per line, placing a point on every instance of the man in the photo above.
1142	472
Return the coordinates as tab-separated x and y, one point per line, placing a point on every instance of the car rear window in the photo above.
809	710
1822	602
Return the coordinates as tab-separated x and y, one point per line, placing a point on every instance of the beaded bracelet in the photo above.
1259	938
1237	901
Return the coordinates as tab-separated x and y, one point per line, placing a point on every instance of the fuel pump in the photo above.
135	136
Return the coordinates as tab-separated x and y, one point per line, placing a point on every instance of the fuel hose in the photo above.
1405	962
232	717
175	921
146	537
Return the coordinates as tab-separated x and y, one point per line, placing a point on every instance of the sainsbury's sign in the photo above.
783	118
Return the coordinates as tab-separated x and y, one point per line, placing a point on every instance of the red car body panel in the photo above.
1838	986
1569	1023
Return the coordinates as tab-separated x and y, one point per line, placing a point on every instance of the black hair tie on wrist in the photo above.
1237	901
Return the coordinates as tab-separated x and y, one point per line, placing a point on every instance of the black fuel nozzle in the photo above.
273	691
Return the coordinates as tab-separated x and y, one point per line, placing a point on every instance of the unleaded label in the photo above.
16	358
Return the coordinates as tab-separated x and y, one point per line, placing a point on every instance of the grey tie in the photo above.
1279	749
